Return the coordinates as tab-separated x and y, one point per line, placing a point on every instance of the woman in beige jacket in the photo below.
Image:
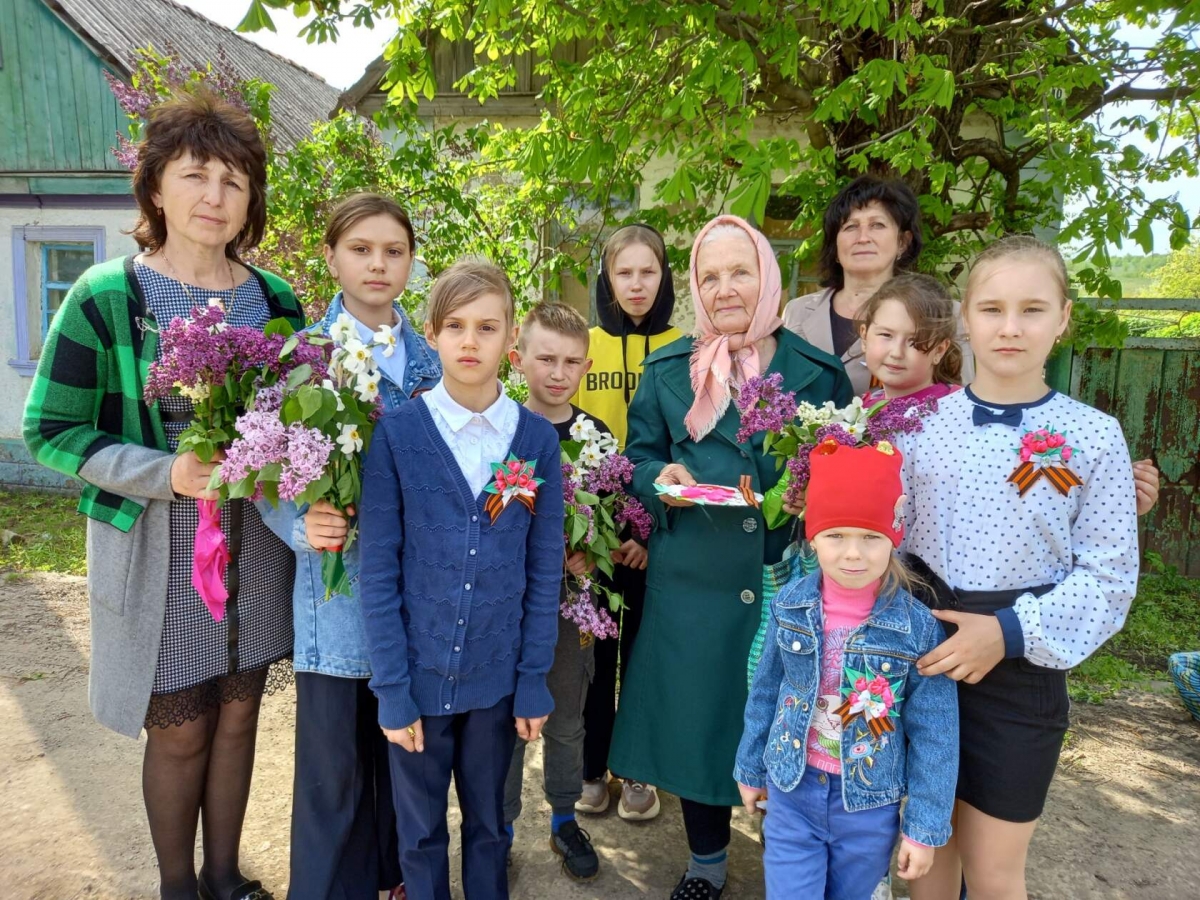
872	231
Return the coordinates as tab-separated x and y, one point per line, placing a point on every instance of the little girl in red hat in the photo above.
839	725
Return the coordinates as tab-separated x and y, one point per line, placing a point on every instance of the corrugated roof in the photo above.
118	27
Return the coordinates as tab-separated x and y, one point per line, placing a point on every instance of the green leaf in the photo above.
279	326
585	498
298	376
578	528
311	399
288	346
256	19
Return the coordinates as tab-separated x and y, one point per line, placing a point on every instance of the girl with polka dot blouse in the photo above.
1023	520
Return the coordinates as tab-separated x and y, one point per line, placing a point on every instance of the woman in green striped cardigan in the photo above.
158	659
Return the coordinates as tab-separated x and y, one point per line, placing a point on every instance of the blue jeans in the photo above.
815	849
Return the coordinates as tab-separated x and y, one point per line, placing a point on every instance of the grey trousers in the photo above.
562	737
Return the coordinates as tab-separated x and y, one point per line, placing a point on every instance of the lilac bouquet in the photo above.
598	506
222	370
304	441
794	429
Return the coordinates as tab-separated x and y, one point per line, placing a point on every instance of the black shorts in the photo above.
1012	725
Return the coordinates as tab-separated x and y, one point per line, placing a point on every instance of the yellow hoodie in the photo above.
609	385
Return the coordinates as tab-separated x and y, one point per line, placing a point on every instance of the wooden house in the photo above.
65	201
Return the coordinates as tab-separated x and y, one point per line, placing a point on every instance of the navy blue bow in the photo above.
981	415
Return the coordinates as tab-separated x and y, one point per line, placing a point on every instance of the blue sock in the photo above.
508	829
712	867
558	820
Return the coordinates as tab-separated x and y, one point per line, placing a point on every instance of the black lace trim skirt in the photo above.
203	663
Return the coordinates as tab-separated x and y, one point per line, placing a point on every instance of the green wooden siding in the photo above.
57	113
1152	386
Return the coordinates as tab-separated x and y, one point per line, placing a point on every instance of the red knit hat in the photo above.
855	487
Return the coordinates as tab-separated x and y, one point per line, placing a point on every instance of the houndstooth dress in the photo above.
203	663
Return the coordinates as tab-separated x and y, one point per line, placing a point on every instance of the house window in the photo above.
46	262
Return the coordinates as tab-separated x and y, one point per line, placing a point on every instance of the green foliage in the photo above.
51	534
988	109
1164	619
1135	273
1180	277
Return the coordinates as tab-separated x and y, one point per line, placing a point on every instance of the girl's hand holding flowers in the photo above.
325	526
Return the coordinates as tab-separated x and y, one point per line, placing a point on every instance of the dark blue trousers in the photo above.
344	843
475	747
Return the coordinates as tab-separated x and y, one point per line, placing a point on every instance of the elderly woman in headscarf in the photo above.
680	715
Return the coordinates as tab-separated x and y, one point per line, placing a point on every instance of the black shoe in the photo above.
696	889
247	890
574	845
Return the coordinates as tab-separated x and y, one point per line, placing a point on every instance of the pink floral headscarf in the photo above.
721	361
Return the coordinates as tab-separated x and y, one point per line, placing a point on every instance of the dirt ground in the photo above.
1121	822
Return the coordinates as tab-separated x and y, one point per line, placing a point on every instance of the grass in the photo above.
50	534
1165	617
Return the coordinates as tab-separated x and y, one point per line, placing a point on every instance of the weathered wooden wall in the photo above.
1152	385
57	114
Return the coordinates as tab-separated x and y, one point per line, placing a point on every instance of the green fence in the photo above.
1152	385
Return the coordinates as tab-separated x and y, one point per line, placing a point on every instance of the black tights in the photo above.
199	771
707	827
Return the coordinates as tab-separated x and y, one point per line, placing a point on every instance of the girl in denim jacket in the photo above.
839	725
344	844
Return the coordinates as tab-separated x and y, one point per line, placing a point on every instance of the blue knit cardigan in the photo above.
459	612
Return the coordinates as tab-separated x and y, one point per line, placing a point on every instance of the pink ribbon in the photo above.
210	558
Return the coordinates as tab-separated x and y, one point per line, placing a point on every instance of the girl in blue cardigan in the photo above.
462	554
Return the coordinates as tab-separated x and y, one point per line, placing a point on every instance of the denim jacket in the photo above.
330	637
917	754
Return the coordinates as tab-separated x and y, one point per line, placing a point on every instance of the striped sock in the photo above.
711	867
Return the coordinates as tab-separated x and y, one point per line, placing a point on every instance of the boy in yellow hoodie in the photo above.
635	298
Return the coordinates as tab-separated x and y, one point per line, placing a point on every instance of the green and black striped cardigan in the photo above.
87	393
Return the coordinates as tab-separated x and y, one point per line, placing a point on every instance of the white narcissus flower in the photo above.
357	357
579	427
590	455
350	441
367	388
328	385
384	337
343	329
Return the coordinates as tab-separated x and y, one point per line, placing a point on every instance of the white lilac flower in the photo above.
384	337
350	441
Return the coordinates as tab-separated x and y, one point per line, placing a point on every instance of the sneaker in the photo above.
639	802
695	889
595	797
883	890
574	845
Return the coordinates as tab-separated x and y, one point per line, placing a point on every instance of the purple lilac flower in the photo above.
764	406
580	609
633	512
610	477
900	416
308	452
569	484
798	466
263	441
837	433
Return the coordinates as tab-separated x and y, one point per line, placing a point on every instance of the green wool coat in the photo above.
680	714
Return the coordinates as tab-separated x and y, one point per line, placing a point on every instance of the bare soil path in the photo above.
1122	821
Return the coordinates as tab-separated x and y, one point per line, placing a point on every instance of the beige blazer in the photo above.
808	316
